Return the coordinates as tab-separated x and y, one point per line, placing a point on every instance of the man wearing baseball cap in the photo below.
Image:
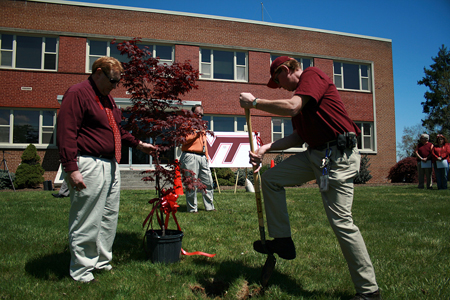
332	158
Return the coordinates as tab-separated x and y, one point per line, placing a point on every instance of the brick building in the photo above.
48	45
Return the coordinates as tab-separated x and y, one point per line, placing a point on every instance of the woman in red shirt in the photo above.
440	157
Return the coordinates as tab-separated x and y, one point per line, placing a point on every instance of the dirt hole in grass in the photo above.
216	289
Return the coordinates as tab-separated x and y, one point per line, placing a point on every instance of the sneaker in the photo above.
284	247
368	296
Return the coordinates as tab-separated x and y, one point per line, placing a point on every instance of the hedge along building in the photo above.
48	45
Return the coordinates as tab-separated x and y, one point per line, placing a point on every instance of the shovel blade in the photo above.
267	269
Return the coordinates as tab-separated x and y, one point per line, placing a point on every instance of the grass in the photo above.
406	231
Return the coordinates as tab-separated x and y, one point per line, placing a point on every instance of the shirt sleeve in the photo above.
312	84
68	124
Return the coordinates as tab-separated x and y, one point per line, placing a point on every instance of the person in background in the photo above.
332	158
63	191
423	153
195	158
440	157
89	138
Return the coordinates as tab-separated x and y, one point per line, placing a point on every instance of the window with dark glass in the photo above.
28	52
351	76
222	64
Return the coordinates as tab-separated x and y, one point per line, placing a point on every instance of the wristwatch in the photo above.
255	102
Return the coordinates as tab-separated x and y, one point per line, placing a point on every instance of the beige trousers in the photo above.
337	201
93	217
198	164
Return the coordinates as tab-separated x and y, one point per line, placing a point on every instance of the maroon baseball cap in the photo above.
275	64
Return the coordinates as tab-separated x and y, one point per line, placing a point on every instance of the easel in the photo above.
5	166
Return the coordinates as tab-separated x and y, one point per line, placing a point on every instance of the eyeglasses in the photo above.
111	80
275	76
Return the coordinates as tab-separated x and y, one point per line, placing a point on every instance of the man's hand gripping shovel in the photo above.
269	265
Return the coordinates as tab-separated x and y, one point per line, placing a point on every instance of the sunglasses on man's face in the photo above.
275	76
111	80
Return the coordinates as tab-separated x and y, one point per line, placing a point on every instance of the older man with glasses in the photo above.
89	138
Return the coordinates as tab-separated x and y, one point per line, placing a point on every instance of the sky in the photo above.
417	29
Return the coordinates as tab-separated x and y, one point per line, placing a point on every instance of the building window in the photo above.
19	126
282	127
351	76
97	49
226	123
304	62
223	65
28	52
365	139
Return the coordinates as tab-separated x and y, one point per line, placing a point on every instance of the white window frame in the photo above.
210	76
44	52
41	128
339	77
151	48
235	122
297	58
363	136
282	132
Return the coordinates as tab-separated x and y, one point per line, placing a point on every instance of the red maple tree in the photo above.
155	89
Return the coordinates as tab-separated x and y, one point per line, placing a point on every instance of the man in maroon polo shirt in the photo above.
89	138
320	120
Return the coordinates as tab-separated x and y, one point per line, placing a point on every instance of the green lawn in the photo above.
406	232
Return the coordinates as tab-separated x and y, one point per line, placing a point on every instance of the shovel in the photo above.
269	265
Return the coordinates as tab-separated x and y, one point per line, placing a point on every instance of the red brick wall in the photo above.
188	34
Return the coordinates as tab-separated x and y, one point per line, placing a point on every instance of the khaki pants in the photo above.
93	217
337	201
200	166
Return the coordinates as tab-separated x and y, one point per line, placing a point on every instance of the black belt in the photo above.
343	141
326	145
202	154
96	155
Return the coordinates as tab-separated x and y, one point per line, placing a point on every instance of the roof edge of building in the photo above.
195	15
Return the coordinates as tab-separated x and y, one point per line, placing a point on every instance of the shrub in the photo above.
404	171
5	183
279	158
364	173
241	180
29	173
225	176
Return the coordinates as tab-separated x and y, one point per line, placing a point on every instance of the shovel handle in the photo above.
256	180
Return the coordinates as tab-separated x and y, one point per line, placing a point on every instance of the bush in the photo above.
5	183
279	158
225	176
364	173
241	180
29	173
404	171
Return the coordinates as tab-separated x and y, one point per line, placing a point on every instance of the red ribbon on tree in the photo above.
168	205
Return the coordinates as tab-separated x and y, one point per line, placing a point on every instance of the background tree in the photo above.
410	138
364	173
437	99
29	173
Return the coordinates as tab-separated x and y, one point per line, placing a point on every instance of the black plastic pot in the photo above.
165	249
